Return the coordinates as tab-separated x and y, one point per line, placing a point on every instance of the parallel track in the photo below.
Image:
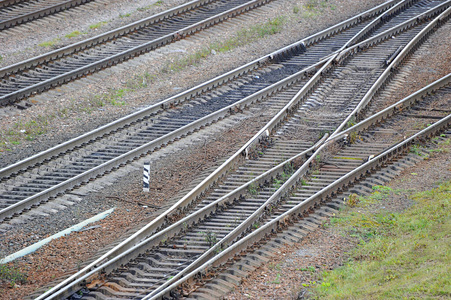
66	64
121	141
81	59
217	223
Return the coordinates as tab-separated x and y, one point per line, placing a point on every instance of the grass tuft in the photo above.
21	131
314	8
12	275
97	25
242	38
73	34
113	97
125	15
49	43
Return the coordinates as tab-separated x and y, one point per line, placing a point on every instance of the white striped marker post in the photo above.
146	172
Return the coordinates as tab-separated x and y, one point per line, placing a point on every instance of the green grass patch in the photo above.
141	81
277	280
73	34
314	8
185	61
125	15
416	149
441	148
316	4
400	255
253	189
241	38
112	97
12	275
21	131
49	43
97	25
249	35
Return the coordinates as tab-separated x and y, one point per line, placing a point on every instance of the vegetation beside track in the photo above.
240	38
11	275
399	254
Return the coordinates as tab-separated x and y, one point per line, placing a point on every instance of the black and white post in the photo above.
146	172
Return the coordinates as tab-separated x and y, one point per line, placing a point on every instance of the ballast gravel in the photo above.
57	258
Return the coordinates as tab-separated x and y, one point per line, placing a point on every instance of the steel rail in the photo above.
151	146
134	117
380	20
156	224
113	34
393	109
317	37
40	13
117	258
123	159
395	30
127	54
181	97
444	81
230	238
302	208
99	39
207	183
407	50
161	220
263	132
195	193
98	171
246	224
369	42
389	13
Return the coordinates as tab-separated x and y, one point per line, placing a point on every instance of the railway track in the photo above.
65	167
81	59
16	12
261	205
68	63
388	143
215	279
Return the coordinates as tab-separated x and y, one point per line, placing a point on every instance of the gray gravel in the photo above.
67	111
